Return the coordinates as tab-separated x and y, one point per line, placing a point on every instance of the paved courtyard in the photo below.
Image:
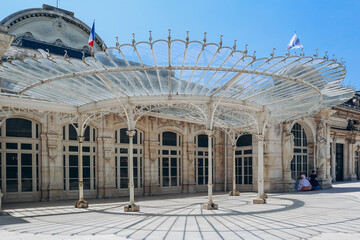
324	214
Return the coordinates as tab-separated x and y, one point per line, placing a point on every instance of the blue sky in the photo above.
332	25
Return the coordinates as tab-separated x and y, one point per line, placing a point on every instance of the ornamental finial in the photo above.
103	46
234	47
334	58
245	51
342	62
169	37
316	53
220	43
117	42
66	56
272	53
150	37
254	55
187	36
133	40
326	57
302	54
204	38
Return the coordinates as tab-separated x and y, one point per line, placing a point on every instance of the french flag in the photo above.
92	36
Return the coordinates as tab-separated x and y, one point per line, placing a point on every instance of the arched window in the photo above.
201	162
19	159
71	155
299	163
243	160
121	159
169	159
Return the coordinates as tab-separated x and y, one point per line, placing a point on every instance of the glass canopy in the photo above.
178	79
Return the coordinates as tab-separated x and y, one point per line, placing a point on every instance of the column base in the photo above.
81	204
131	208
210	206
259	201
265	196
234	193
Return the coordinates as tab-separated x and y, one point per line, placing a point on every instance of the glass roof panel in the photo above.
223	54
161	53
193	52
177	53
208	55
234	58
105	60
130	55
116	57
145	53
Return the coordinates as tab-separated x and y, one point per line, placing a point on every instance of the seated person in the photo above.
313	180
304	184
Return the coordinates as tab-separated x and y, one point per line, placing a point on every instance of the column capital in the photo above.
233	147
81	139
131	133
259	137
210	133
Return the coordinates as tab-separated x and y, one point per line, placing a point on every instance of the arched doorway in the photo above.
169	160
19	160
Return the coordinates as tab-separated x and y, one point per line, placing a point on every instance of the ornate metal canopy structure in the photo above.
187	80
190	80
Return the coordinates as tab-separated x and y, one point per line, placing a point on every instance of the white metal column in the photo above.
260	199
131	207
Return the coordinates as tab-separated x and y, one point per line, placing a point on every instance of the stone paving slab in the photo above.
325	214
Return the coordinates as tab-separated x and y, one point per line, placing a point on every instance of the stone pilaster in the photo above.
45	172
151	146
219	170
56	176
106	167
287	156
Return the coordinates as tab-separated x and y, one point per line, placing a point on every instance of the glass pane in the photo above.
72	132
202	140
26	146
244	140
86	161
26	159
11	186
26	172
87	134
86	184
73	172
11	145
73	160
124	138
86	172
169	139
74	184
73	148
26	185
17	127
173	181
173	162
165	162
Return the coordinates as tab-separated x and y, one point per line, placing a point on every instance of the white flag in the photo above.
294	43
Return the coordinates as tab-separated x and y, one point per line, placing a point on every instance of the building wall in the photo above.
51	156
